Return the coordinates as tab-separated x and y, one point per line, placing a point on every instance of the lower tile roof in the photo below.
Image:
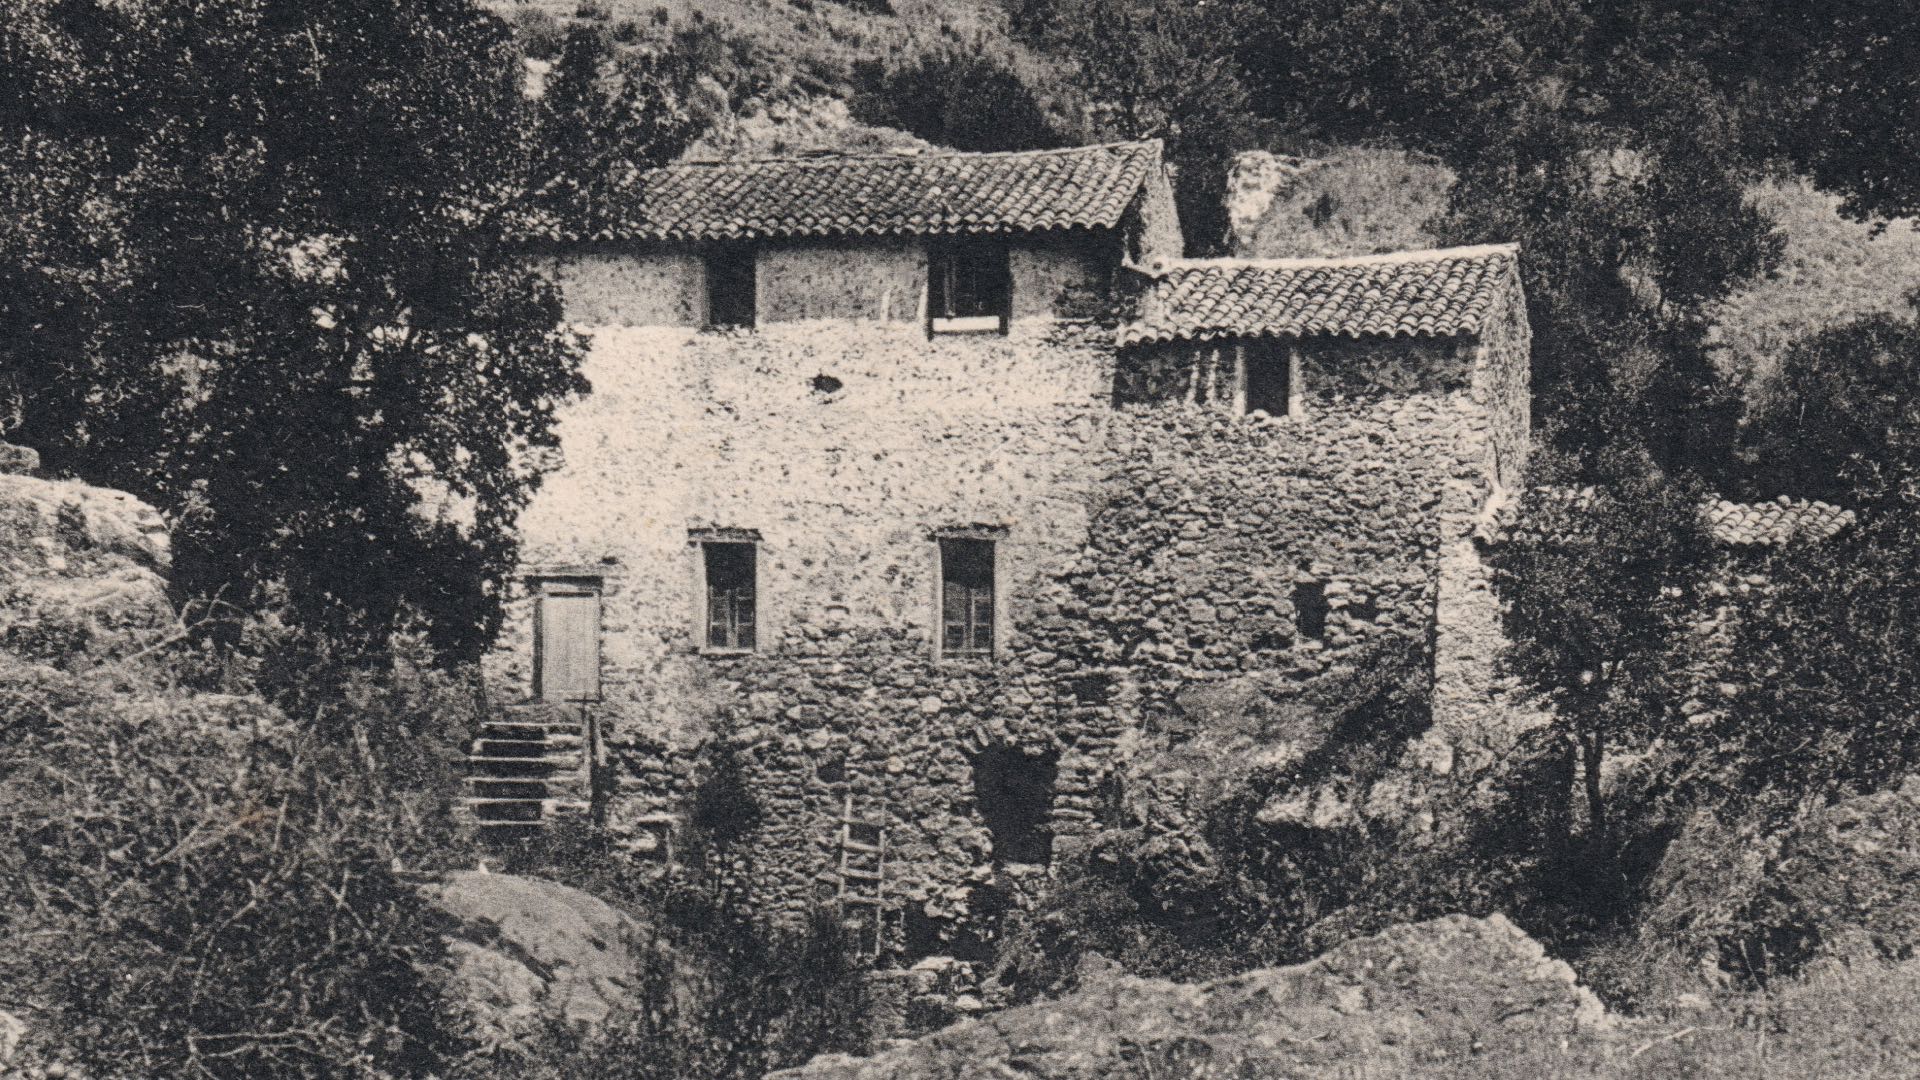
1438	293
1774	523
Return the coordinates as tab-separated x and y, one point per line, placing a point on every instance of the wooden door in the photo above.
567	643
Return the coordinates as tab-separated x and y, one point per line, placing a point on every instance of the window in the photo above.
1269	379
566	641
1014	794
969	285
730	595
731	287
966	597
1310	610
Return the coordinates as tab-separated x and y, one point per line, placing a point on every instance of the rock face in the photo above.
529	952
1384	1005
1849	879
1359	201
81	568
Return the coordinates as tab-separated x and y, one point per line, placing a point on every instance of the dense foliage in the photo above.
964	99
257	271
1159	69
196	886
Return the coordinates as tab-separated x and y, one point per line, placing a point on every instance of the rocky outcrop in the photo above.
81	568
1358	201
1386	1005
1848	881
528	953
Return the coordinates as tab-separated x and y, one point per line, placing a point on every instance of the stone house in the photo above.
918	487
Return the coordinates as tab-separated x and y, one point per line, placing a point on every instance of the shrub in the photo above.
193	886
728	1000
193	883
966	100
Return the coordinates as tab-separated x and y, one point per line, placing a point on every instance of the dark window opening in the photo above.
969	284
731	286
1014	793
1310	609
730	595
1269	380
966	597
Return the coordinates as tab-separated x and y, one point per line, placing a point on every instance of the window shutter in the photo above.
982	619
955	639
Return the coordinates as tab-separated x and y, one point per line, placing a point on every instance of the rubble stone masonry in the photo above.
1140	549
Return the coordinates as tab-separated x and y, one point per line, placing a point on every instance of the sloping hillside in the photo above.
1359	201
1834	271
782	48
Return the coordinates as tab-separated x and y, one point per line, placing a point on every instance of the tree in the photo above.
964	100
1160	69
1600	586
606	114
1827	702
1834	424
258	270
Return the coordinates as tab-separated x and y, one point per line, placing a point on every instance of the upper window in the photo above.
969	285
731	287
1269	379
730	595
966	598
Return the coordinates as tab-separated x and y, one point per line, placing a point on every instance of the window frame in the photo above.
1266	355
700	541
992	626
992	310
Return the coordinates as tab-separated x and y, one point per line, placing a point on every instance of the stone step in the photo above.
512	729
555	761
510	748
485	810
502	787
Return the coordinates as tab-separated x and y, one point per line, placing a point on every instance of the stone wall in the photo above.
1066	276
880	279
1142	549
617	287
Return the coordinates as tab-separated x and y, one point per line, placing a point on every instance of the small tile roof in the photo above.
1774	523
882	194
1439	293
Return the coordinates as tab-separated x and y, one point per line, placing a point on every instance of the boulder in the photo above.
81	571
527	954
1388	1005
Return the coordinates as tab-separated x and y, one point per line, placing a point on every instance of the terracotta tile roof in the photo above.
1777	522
1439	293
885	194
1763	524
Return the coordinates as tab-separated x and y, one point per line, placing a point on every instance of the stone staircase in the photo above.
529	768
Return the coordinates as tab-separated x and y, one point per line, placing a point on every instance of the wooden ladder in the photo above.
863	871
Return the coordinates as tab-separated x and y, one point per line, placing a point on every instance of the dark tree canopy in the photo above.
964	100
255	269
1160	69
